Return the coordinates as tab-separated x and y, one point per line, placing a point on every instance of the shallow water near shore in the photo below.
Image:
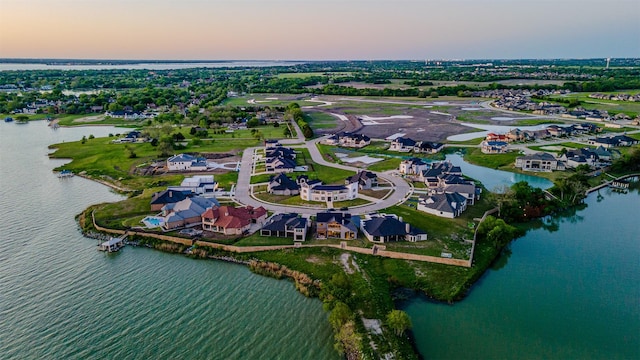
60	298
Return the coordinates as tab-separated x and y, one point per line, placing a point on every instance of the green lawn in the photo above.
492	161
257	240
384	165
320	120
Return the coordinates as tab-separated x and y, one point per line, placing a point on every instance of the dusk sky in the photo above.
319	30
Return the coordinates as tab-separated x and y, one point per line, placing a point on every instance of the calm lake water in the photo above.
492	179
60	298
143	66
569	294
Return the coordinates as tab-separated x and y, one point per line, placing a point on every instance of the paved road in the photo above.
242	192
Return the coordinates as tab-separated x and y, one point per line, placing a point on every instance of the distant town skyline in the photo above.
319	30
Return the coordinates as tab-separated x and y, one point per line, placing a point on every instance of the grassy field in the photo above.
257	240
320	120
384	165
492	161
613	107
532	122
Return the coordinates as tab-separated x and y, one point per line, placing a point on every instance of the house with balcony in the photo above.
413	166
314	190
494	147
336	225
539	162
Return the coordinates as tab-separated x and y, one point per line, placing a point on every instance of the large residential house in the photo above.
279	164
230	220
199	184
431	176
494	147
449	205
280	159
539	162
496	137
336	225
348	140
281	184
365	179
402	144
313	190
186	162
428	147
382	228
413	166
286	225
187	212
162	198
613	141
576	157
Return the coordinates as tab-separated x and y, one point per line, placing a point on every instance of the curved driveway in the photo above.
402	190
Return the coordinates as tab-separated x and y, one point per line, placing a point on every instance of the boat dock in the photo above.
113	244
65	174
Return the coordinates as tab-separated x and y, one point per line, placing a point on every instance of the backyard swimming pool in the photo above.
152	221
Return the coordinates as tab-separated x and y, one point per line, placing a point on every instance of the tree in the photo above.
253	122
349	341
340	314
286	132
398	321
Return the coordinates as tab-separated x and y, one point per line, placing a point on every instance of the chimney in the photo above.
170	194
407	227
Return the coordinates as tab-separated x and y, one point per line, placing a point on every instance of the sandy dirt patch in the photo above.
395	136
374	118
87	119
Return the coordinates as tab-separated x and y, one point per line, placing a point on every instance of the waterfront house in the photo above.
365	179
576	157
382	228
402	144
539	162
336	225
162	198
448	205
286	225
230	220
494	147
187	212
281	184
412	166
427	147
